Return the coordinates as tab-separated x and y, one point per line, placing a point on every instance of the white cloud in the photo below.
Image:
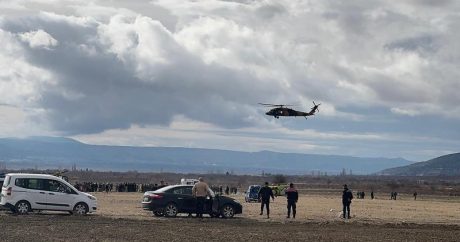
20	82
39	39
402	111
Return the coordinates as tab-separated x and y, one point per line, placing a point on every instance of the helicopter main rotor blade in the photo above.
276	105
268	104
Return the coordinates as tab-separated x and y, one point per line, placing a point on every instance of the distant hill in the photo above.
57	152
447	165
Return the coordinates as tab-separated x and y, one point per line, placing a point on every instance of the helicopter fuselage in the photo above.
282	111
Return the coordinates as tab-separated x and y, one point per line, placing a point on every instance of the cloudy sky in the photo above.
190	74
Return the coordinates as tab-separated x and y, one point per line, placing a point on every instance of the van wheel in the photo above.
22	207
80	209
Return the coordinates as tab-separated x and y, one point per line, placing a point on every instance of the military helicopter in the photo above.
282	110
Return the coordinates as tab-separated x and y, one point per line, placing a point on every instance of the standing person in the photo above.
162	184
372	194
292	196
200	190
264	195
415	195
347	196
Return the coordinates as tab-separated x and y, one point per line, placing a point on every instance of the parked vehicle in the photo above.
279	190
185	181
171	200
2	178
252	194
23	193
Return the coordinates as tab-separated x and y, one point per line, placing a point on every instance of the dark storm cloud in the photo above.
96	91
423	43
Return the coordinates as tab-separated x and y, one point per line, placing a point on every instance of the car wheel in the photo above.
158	213
170	210
80	209
227	211
22	207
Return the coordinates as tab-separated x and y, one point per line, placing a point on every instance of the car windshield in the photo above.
255	189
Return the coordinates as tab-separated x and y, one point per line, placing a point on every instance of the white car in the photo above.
23	193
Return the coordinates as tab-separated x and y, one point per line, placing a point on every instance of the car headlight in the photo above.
92	198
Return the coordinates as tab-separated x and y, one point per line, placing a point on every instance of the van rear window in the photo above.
30	183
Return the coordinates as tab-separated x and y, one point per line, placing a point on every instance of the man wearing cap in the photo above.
347	196
264	195
200	190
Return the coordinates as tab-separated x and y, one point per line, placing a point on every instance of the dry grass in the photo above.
314	208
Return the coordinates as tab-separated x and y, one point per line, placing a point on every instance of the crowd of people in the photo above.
140	187
118	187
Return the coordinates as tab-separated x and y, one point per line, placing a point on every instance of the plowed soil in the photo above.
120	218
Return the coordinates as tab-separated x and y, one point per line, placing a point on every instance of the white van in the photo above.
23	193
185	181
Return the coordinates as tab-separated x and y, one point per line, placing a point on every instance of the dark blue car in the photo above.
171	200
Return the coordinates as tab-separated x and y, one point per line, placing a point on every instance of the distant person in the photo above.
162	184
221	190
227	190
264	195
347	196
363	195
415	195
200	190
372	195
292	197
394	195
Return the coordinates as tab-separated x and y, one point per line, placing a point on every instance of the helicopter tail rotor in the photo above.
315	107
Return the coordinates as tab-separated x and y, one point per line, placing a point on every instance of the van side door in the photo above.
60	196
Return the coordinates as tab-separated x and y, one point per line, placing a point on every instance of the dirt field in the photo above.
121	218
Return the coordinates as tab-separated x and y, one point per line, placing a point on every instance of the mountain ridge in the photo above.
446	165
52	152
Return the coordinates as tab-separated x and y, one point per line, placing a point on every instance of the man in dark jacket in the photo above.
347	196
264	195
292	197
